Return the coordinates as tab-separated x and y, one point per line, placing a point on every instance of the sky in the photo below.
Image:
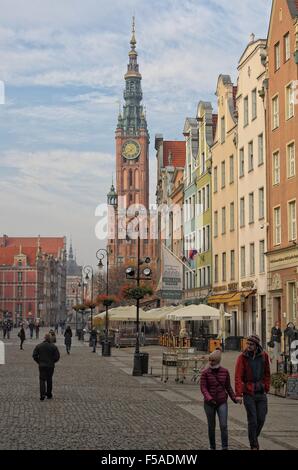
63	62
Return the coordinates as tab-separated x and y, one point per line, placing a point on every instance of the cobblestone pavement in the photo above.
99	405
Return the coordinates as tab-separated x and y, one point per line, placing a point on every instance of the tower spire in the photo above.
133	37
70	254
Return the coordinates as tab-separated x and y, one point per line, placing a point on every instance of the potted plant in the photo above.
279	383
106	300
136	292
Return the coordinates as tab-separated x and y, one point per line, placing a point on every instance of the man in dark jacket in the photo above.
46	354
93	339
252	381
276	335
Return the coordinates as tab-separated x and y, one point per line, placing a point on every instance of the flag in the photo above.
192	254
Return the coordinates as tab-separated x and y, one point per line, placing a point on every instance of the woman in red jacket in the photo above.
216	387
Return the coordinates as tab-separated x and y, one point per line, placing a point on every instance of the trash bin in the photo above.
144	362
106	348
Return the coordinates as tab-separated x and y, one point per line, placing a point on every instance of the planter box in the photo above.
279	392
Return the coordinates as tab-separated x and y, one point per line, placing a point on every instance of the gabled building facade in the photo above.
280	90
252	243
190	133
225	281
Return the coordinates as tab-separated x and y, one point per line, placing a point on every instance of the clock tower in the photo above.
132	169
132	138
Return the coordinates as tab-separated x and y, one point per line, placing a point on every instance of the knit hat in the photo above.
216	355
254	339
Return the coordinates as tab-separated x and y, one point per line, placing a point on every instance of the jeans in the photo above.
45	381
256	409
68	346
21	345
94	341
222	412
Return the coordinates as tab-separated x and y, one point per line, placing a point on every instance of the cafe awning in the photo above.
231	298
126	313
195	313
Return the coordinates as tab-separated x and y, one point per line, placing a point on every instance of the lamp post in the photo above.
75	287
88	271
130	274
101	254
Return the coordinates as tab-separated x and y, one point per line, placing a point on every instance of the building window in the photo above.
261	203
223	174
291	160
242	259
245	111
292	221
275	112
208	276
232	265
223	221
208	238
262	256
254	104
216	268
251	208
242	212
241	162
193	212
215	180
207	197
130	178
277	56
287	47
20	262
20	277
276	168
290	101
215	224
224	267
223	130
200	209
261	149
250	156
292	302
20	291
232	216
252	258
277	226
231	169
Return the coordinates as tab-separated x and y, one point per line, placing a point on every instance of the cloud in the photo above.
63	64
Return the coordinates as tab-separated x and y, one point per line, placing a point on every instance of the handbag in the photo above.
270	344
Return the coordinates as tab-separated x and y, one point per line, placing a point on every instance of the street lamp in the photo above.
101	254
88	271
131	274
75	288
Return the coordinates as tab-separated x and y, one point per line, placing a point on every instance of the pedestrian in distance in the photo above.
46	354
93	339
252	382
4	329
216	388
22	336
56	328
68	339
276	335
37	330
31	328
52	336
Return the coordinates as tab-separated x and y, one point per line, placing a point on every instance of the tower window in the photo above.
130	179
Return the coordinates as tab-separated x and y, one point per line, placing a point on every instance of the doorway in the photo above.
276	309
263	319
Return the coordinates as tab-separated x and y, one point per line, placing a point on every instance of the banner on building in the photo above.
171	280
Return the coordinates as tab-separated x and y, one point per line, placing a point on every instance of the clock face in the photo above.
131	149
